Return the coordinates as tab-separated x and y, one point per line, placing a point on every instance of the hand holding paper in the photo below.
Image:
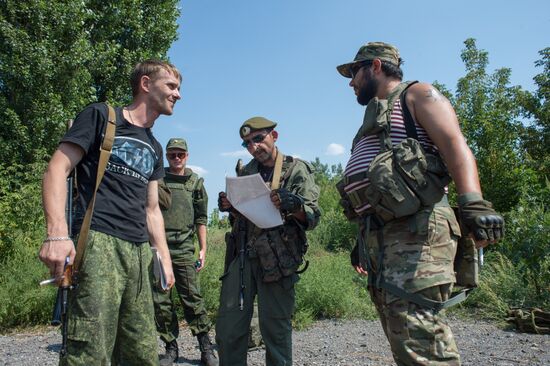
250	196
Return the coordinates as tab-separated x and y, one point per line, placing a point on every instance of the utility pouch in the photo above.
466	263
425	173
405	178
268	259
277	258
387	192
345	201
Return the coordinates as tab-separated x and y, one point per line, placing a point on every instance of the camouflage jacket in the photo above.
281	249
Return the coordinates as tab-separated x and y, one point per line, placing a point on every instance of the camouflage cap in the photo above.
255	124
177	143
370	51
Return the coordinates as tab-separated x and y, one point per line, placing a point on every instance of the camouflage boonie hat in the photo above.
255	124
370	51
176	143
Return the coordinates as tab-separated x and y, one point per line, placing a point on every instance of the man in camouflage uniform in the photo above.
110	312
185	215
264	262
409	259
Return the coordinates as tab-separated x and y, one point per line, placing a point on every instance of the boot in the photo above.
171	354
208	357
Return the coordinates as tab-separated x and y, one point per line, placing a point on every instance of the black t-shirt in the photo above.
136	158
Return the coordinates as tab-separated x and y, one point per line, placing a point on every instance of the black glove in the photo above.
478	217
290	202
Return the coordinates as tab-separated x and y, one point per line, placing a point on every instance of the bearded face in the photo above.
368	88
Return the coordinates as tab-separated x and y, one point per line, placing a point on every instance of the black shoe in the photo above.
171	354
208	357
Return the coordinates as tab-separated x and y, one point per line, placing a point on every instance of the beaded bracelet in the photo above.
56	238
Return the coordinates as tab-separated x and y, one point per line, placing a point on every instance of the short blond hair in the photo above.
150	68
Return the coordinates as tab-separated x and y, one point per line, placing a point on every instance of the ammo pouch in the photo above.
404	179
280	251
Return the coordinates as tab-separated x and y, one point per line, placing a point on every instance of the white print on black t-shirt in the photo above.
132	157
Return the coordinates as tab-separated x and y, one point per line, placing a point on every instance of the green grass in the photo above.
328	289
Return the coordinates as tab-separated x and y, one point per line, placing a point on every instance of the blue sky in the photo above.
277	59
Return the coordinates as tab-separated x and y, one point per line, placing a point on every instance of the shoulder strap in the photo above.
105	152
407	117
384	135
276	181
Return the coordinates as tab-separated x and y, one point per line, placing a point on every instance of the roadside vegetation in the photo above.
507	127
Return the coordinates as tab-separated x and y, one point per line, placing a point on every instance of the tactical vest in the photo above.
179	218
404	177
280	250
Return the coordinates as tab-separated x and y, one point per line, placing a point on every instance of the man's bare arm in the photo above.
435	114
155	227
54	198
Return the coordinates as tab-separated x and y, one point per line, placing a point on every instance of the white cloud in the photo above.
199	170
335	149
236	154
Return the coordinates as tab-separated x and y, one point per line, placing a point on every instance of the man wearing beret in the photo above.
408	233
264	262
186	214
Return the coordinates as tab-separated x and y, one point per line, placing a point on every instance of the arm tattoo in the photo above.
435	95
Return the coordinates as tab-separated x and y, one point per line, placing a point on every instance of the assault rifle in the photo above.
241	242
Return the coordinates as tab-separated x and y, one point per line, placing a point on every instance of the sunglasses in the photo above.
354	69
179	155
256	139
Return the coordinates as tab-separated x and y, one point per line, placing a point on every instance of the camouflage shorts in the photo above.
110	316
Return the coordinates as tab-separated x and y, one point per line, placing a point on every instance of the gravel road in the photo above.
327	342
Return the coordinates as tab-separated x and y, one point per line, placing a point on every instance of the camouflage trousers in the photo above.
188	289
275	307
110	315
416	254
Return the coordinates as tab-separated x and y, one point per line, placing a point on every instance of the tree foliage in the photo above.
536	107
487	108
57	56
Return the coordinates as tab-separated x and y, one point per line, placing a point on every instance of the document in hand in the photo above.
158	269
250	196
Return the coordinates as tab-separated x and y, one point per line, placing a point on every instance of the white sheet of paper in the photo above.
250	196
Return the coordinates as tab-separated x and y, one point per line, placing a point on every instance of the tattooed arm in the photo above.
435	114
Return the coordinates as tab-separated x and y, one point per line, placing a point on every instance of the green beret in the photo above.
176	143
370	51
255	124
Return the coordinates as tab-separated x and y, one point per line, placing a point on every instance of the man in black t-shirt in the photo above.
110	317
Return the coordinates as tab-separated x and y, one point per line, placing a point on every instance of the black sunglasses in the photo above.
354	69
179	155
256	139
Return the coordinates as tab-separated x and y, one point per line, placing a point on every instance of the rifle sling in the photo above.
105	152
276	181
